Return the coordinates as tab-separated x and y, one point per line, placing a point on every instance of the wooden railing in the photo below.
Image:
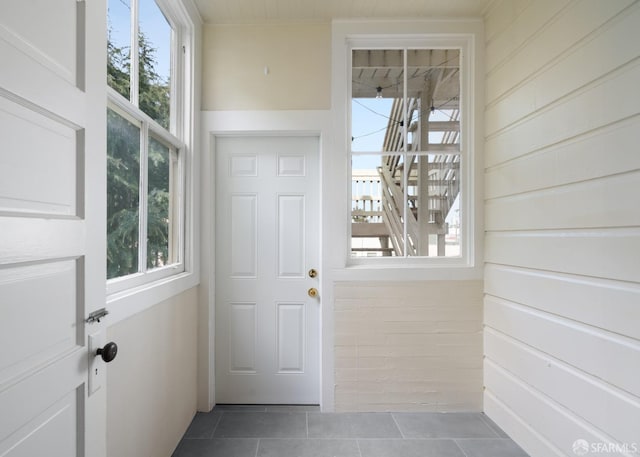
425	196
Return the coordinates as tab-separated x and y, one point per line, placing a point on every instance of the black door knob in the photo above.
108	352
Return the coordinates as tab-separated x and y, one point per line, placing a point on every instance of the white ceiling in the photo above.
274	11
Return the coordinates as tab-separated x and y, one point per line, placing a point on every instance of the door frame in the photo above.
264	123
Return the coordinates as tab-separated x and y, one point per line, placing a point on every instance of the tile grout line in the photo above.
455	441
398	426
307	420
257	447
213	432
358	446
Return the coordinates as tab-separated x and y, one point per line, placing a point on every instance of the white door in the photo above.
267	241
52	230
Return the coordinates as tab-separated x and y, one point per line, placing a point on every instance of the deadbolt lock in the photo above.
313	273
313	292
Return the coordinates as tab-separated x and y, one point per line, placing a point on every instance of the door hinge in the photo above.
97	315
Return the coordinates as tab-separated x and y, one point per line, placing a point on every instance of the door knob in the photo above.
313	292
313	273
108	352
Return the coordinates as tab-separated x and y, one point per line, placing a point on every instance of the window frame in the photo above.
404	153
466	35
180	136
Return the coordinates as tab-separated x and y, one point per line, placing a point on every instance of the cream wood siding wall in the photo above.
562	292
151	385
408	346
297	56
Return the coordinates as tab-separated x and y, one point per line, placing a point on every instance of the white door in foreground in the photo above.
52	232
267	242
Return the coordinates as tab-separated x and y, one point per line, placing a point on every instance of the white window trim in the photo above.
464	34
134	293
150	128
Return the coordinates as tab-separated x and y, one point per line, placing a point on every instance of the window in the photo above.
405	152
146	173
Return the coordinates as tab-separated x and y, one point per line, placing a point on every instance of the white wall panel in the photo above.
516	32
558	427
408	346
574	70
500	14
559	121
574	160
562	281
603	202
518	429
604	355
557	33
611	253
579	298
606	406
149	412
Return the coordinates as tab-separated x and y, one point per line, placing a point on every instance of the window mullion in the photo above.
144	179
407	165
178	183
177	59
135	55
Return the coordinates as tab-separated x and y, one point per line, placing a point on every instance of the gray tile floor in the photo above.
302	431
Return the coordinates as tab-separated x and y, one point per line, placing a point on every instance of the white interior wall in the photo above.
562	175
408	346
267	67
151	386
443	366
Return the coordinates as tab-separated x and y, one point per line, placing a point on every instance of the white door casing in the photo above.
267	239
52	226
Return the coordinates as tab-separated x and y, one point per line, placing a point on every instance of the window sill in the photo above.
408	270
124	304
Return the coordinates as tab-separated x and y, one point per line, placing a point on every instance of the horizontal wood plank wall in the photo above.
408	346
562	217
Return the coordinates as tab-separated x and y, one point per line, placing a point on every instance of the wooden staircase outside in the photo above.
424	197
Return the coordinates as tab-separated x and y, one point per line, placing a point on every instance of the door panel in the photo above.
38	175
244	235
291	337
47	290
267	327
291	236
52	111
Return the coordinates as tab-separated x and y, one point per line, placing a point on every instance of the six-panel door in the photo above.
267	216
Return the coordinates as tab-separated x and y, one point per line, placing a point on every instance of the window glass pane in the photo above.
154	47
433	205
366	213
161	206
377	89
414	209
376	206
119	46
433	88
123	195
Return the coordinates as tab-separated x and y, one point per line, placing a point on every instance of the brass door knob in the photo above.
313	292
